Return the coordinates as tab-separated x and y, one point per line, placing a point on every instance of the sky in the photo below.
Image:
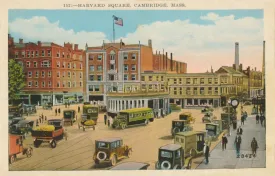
200	38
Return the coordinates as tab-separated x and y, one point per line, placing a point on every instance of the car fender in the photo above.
186	161
112	155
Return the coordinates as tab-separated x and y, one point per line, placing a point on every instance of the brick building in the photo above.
54	73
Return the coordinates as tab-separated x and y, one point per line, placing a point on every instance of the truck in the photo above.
91	111
51	137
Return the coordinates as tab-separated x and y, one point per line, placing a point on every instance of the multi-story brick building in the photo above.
54	73
114	75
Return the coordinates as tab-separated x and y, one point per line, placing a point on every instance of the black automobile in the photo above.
171	156
179	126
131	166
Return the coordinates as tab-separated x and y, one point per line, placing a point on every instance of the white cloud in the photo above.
190	42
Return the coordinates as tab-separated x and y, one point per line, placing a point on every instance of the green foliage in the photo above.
16	79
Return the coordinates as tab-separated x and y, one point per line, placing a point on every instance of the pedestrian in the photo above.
224	142
39	119
66	134
105	118
254	146
55	111
262	118
65	104
229	130
42	117
206	153
68	104
45	118
58	111
257	118
242	120
240	130
238	141
78	109
37	122
245	115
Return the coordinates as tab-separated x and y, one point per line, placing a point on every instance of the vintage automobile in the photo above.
187	116
15	120
22	127
48	106
15	111
82	124
16	147
91	111
207	109
69	116
208	117
213	130
133	116
110	150
28	109
131	166
51	137
192	142
180	125
172	156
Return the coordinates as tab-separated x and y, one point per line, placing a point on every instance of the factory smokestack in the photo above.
171	62
237	55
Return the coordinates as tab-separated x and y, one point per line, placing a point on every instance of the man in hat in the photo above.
224	142
262	119
206	153
240	130
238	141
257	118
254	146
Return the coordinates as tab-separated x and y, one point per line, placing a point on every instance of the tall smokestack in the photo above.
166	60
163	60
237	55
177	65
150	43
159	61
171	62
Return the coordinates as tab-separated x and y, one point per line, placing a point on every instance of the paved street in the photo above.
227	159
77	152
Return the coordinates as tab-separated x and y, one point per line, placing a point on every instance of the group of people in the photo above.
261	118
57	111
41	119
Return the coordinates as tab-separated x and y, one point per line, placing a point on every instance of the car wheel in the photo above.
53	144
189	164
114	160
176	130
157	165
123	126
176	167
96	161
146	122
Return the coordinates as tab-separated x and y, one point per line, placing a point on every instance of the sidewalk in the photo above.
227	159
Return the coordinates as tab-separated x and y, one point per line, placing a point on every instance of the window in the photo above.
80	66
28	64
161	86
36	84
80	83
175	90
42	53
111	77
37	74
74	84
92	68
43	74
216	80
99	57
58	84
92	77
58	54
57	64
28	53
150	87
133	77
69	65
32	53
29	74
16	54
49	84
133	67
23	53
125	77
35	64
142	78
49	52
29	84
125	56
143	86
216	90
96	88
43	83
36	53
99	68
195	91
64	84
150	78
69	74
188	81
74	66
99	77
91	88
202	90
161	78
175	81
209	80
112	57
69	84
165	154
64	74
63	65
63	54
210	90
134	56
45	64
202	81
188	91
91	57
73	74
112	66
180	81
58	74
125	67
80	75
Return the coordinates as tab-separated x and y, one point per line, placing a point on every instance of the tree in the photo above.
16	79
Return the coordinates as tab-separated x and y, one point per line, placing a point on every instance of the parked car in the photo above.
172	156
110	150
91	111
48	106
187	116
131	166
180	125
69	116
207	109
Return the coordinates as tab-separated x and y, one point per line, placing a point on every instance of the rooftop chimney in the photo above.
237	55
171	62
211	69
75	46
39	43
21	41
150	43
